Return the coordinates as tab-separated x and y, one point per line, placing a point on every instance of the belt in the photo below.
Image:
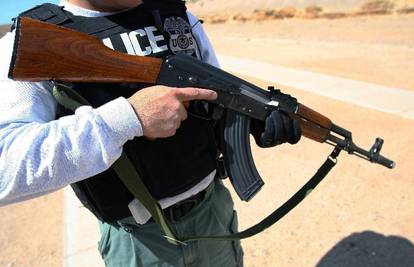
176	211
182	208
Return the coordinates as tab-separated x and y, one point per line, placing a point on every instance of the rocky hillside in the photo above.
4	29
222	10
220	6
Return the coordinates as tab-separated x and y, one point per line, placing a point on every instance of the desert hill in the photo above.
217	11
4	29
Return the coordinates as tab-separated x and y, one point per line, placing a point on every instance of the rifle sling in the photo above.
68	98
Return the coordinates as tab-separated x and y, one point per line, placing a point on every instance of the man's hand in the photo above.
161	109
277	129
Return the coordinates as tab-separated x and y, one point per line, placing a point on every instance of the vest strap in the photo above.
48	12
55	14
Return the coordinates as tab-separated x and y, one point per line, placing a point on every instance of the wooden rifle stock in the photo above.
66	55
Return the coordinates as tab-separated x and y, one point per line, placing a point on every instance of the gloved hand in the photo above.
277	129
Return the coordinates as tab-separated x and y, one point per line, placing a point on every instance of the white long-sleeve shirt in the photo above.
39	154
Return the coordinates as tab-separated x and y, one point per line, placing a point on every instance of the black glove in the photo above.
277	129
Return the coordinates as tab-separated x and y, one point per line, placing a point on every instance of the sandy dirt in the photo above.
377	49
32	233
356	197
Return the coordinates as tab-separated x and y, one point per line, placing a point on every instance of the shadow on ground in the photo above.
370	249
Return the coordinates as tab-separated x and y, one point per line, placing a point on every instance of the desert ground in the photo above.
360	215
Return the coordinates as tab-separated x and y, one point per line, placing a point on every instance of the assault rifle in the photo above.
48	52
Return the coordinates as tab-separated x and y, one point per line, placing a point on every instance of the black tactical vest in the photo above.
168	166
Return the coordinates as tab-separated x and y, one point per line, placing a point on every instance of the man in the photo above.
44	147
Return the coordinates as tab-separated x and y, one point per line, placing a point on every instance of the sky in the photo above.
10	9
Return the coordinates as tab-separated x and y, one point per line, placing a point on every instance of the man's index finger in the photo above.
190	93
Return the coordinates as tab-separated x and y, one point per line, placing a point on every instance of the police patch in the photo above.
181	37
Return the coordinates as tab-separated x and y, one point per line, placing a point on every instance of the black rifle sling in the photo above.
66	97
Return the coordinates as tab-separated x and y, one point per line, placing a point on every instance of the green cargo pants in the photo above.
127	244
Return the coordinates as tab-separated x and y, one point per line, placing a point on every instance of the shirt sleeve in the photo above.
39	154
206	50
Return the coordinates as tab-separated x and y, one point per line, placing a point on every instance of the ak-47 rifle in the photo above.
48	52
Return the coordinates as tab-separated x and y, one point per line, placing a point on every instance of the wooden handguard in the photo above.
313	124
314	116
312	131
72	56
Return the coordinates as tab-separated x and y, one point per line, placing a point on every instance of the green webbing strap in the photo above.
130	177
68	97
125	170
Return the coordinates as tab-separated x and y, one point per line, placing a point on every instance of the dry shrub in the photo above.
287	12
313	12
405	10
216	19
267	13
241	17
263	14
334	15
376	7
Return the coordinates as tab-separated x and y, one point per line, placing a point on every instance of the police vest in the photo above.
167	166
